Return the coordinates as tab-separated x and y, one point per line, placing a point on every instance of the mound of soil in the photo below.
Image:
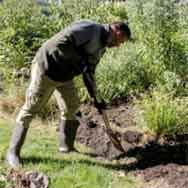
21	179
166	176
161	163
92	134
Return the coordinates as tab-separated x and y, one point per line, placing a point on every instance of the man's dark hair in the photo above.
123	27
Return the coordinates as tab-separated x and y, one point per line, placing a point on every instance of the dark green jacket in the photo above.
75	50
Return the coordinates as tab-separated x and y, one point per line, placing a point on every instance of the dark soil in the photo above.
92	133
161	163
21	179
165	176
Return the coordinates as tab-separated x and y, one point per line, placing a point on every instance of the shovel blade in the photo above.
115	141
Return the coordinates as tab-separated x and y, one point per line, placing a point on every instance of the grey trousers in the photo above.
40	90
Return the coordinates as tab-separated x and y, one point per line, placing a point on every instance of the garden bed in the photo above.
160	162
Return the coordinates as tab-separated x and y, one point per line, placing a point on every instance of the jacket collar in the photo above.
106	36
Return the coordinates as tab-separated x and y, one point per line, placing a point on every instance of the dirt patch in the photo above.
21	179
92	134
160	163
166	176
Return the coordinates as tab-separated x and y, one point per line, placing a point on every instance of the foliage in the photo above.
157	25
160	28
23	28
162	114
24	25
120	73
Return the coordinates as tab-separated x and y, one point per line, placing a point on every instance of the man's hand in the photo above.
100	105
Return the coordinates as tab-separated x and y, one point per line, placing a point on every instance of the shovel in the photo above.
116	142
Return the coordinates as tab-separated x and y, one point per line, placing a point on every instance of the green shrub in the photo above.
24	25
157	25
22	30
162	114
121	74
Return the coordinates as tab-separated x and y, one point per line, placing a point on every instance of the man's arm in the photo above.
90	81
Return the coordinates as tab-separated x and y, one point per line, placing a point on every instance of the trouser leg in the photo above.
37	95
68	102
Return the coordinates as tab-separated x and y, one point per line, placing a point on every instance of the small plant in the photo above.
162	114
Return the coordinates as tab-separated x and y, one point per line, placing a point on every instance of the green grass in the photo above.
74	170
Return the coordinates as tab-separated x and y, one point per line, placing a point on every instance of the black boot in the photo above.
67	132
17	140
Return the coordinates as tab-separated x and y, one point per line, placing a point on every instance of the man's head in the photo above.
119	33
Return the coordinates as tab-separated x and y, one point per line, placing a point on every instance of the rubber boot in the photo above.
67	132
17	140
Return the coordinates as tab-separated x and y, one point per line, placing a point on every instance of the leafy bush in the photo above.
24	25
22	30
162	114
157	25
120	73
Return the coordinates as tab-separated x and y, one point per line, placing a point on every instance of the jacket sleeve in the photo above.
89	80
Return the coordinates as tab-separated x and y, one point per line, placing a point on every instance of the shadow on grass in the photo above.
156	154
46	160
149	156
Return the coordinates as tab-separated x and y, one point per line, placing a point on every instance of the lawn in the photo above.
74	170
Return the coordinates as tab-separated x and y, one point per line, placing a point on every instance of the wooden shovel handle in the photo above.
116	142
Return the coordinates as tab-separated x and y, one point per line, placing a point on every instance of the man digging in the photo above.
75	50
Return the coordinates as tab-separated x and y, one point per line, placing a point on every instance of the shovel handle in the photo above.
116	142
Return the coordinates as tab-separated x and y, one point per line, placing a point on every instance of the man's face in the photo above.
118	37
